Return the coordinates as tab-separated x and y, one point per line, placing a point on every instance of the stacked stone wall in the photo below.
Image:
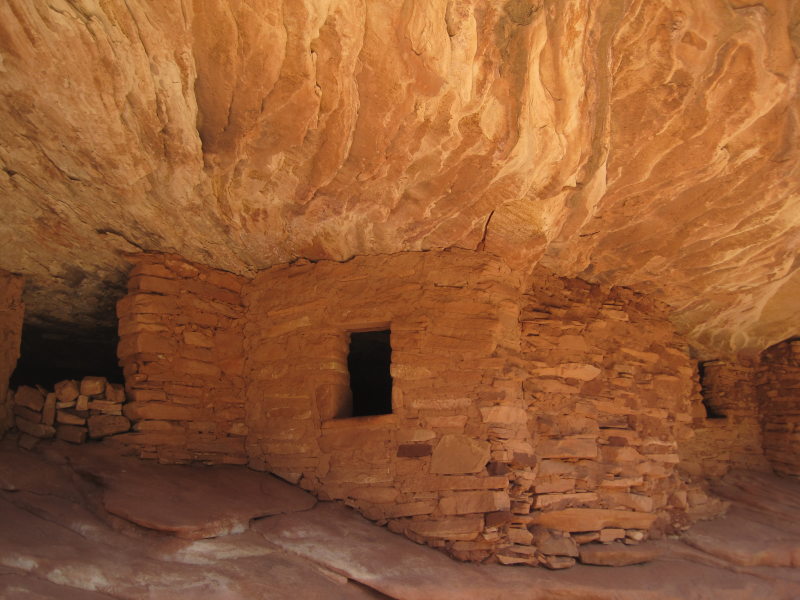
610	393
11	314
778	382
727	433
436	468
181	328
523	424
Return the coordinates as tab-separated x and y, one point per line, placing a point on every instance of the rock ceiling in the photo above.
646	143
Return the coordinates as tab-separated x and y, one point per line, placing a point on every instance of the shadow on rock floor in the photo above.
82	523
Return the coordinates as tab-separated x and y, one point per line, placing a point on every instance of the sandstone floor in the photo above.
84	523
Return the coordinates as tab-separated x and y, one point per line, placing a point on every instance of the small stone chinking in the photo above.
74	411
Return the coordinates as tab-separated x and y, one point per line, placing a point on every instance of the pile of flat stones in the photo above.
73	411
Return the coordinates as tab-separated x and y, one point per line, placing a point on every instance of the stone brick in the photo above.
451	528
145	343
69	416
49	409
414	450
611	534
105	407
552	542
409	509
67	391
37	430
159	411
457	454
462	503
568	448
504	415
592	519
93	386
105	425
32	416
29	397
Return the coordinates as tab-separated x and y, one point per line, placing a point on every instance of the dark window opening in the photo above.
707	394
368	363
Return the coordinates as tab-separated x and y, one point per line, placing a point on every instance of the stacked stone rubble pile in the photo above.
74	411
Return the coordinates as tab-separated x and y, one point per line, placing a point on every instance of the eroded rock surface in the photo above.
59	542
637	143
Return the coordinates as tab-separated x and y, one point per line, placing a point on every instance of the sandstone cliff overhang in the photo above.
627	143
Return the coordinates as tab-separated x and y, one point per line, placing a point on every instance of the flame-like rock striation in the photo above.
643	143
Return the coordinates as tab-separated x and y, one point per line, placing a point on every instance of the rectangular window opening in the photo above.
707	394
368	362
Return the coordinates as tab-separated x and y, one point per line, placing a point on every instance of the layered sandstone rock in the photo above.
629	143
11	314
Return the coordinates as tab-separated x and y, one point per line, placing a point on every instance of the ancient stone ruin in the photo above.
516	281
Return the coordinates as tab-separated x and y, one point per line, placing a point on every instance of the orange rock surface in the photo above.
637	143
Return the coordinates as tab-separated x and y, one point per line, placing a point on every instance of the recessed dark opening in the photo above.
707	395
368	362
52	353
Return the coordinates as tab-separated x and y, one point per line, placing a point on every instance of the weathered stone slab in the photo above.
93	386
67	391
69	416
457	454
196	503
452	528
570	447
29	397
617	555
592	519
49	410
104	425
462	503
38	430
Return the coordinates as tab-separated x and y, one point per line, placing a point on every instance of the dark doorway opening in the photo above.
54	352
369	362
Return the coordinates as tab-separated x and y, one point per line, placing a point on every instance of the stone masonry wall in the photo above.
11	314
523	425
778	382
428	469
728	433
181	350
610	393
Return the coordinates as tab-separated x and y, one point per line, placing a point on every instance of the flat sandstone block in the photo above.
593	519
29	397
93	386
457	454
196	503
67	391
104	425
38	430
617	555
